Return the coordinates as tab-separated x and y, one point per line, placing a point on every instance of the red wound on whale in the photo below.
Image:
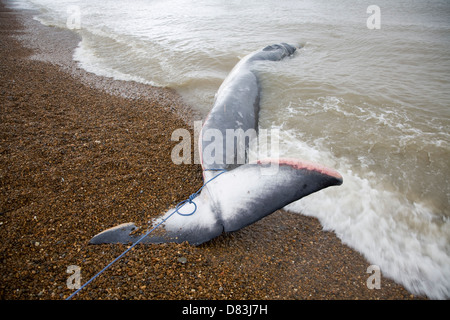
299	165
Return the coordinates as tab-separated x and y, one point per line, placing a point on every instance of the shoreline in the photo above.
81	153
56	46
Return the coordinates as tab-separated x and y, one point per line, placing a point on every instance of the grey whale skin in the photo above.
243	194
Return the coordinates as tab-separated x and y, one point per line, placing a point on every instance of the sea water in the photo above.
367	94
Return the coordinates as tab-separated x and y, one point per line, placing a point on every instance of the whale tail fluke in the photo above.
231	201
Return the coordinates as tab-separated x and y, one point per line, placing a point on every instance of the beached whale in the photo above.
236	192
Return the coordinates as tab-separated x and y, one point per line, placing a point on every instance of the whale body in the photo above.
237	192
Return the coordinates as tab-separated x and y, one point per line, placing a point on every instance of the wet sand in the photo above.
81	153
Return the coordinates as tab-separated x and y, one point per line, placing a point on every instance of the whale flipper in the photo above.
234	200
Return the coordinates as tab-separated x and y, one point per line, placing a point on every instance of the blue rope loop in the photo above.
179	205
194	195
182	203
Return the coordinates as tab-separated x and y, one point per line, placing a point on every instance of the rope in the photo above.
194	195
179	206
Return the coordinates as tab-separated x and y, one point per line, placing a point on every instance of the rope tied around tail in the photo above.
179	206
191	198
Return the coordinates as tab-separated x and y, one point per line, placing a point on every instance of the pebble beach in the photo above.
80	153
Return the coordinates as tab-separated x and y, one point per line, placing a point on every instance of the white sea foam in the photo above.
92	63
405	239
